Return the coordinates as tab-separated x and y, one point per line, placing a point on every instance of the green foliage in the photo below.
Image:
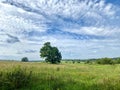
24	59
1	80
18	78
117	61
73	61
88	62
66	61
51	54
78	61
105	61
66	76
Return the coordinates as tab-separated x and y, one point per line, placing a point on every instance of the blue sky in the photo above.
81	29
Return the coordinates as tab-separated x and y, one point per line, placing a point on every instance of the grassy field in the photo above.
68	76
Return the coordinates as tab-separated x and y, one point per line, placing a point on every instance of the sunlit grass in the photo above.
69	76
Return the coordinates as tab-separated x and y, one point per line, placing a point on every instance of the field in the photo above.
68	76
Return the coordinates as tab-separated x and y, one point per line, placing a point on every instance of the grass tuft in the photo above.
15	79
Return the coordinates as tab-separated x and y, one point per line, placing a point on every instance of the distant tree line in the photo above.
53	55
104	61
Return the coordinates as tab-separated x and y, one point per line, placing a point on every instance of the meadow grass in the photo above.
68	76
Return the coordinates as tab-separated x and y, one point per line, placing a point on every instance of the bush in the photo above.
66	61
105	61
1	80
24	59
88	62
78	61
117	61
16	79
73	61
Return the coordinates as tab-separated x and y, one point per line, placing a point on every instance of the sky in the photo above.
81	29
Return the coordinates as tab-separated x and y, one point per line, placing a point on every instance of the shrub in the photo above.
66	61
73	61
58	69
24	59
1	80
88	62
15	79
118	61
78	61
105	61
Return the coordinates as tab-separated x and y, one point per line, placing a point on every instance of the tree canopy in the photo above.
51	54
24	59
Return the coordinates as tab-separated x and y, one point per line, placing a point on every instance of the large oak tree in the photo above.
51	54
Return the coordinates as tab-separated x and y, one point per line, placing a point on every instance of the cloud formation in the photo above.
81	29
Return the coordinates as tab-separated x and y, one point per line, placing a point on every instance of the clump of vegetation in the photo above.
66	61
78	61
73	61
88	62
117	61
18	78
58	69
1	80
105	61
24	59
51	54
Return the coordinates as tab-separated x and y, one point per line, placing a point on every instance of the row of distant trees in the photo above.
104	61
52	55
49	53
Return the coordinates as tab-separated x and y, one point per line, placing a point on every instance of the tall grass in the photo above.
65	76
15	79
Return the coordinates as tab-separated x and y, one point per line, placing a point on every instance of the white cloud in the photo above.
98	31
67	8
9	21
19	18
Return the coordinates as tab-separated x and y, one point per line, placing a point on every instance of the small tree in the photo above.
51	54
24	59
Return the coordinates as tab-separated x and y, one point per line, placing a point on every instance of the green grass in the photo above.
68	76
